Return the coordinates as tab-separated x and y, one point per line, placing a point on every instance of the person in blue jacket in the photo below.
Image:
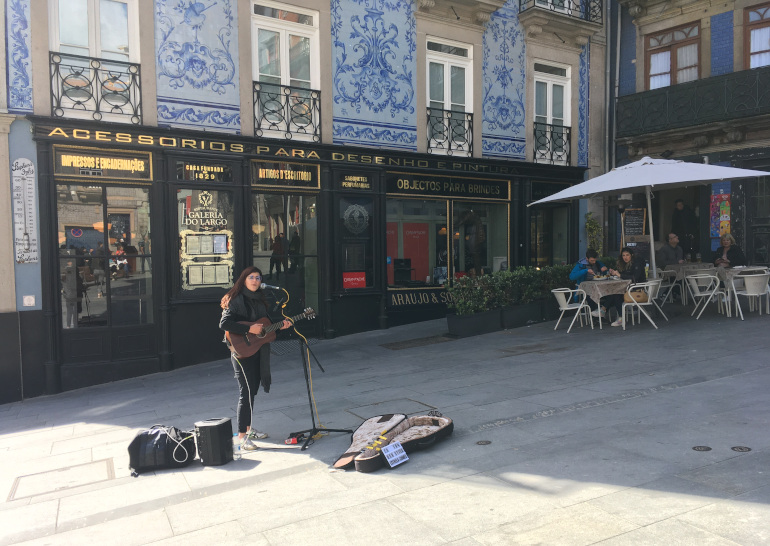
587	269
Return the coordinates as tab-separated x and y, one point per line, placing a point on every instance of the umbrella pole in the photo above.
648	191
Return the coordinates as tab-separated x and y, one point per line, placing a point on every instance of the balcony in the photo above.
586	10
285	112
450	132
720	100
99	89
552	144
561	22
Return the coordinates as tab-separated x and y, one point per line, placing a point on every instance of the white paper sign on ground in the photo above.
395	454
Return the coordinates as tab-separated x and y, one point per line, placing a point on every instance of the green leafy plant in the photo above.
507	288
594	233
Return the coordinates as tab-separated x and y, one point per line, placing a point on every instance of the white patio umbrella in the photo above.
649	174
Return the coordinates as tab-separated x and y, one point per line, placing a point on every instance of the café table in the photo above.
597	289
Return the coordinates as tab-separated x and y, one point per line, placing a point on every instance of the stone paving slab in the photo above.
585	438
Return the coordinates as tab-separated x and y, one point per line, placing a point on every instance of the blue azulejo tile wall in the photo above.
197	64
374	72
583	102
503	68
722	43
17	13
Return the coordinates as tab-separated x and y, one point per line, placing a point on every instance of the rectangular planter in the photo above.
475	324
550	309
520	315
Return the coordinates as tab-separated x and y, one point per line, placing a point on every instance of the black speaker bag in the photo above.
160	447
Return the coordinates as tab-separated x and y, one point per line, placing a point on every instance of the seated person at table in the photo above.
585	270
729	254
629	269
671	253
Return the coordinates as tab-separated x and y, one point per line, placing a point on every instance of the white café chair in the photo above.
567	301
755	285
651	288
703	288
695	269
667	283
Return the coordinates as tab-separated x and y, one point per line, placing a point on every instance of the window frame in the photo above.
672	48
284	28
94	29
550	80
449	60
748	27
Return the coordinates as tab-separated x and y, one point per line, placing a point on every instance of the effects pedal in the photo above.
294	438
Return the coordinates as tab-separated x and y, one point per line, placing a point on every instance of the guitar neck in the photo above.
277	325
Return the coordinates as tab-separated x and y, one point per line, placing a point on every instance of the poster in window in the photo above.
193	245
207	244
120	228
222	274
195	275
220	244
209	274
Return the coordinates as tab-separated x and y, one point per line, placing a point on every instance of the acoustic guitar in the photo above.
245	345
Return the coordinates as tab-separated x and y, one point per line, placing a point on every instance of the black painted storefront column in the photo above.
49	252
326	250
163	222
380	248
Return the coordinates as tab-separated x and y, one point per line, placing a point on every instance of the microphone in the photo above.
269	287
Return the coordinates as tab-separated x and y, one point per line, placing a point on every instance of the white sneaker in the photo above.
248	445
598	312
254	434
618	322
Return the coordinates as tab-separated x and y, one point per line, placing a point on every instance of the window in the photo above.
450	96
672	57
552	121
285	71
105	256
757	22
95	28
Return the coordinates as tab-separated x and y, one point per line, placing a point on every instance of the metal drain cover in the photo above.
741	449
483	443
701	448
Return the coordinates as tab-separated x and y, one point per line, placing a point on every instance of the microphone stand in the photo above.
304	350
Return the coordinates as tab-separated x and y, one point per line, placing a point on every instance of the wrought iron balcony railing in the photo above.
103	88
281	111
552	144
717	99
587	10
450	132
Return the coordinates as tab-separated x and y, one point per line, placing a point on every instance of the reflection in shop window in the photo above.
416	243
479	238
356	243
205	222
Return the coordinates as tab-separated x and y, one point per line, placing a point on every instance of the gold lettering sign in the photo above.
95	163
356	182
285	174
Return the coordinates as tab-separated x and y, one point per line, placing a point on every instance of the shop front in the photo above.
143	231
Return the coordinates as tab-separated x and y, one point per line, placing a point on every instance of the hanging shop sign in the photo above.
285	174
97	163
203	172
401	183
24	211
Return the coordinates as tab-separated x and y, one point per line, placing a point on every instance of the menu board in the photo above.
634	222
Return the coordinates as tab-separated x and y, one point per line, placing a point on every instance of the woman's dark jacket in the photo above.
248	310
735	255
633	272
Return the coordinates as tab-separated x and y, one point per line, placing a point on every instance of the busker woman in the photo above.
246	302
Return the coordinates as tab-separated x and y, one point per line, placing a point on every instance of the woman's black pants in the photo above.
247	373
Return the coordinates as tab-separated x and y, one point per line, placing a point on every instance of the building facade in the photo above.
692	80
362	153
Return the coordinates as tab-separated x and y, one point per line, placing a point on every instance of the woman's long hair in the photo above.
622	265
238	286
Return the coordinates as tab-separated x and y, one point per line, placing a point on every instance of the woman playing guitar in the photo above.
245	303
